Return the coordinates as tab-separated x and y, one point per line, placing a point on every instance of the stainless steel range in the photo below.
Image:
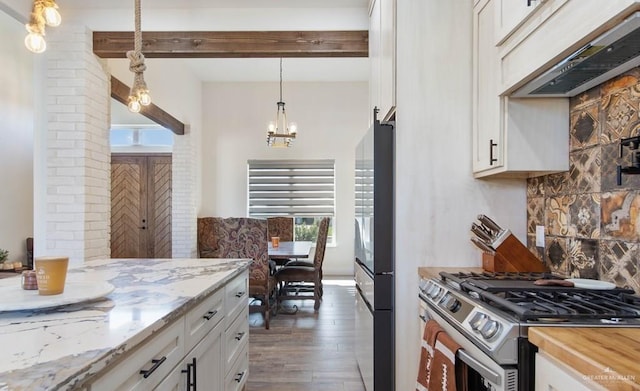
489	314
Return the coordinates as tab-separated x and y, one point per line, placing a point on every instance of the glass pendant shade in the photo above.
134	106
145	98
35	42
52	16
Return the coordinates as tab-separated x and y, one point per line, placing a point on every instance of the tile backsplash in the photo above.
592	225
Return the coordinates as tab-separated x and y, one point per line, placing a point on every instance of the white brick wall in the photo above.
184	229
78	157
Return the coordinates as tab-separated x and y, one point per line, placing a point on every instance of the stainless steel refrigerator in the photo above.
374	256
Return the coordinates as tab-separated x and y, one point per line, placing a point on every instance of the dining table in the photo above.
288	250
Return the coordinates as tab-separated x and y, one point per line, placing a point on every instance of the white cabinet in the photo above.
529	50
382	55
206	349
147	366
511	137
202	366
510	14
552	375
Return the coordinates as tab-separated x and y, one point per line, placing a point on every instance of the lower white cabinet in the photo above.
206	349
552	375
201	368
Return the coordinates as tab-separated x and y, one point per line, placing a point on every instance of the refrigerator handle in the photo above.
385	273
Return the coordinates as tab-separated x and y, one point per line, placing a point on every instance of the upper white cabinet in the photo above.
511	137
510	14
551	32
382	55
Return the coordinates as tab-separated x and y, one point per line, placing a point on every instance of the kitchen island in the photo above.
73	346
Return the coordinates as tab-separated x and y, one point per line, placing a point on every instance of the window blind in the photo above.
298	188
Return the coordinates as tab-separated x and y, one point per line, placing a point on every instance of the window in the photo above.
140	138
303	189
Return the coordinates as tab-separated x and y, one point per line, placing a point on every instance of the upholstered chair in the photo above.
282	227
241	237
295	279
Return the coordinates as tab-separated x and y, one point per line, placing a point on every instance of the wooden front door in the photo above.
140	206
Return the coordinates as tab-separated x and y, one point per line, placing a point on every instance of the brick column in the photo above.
184	229
78	157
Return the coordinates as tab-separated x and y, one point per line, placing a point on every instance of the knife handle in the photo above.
489	223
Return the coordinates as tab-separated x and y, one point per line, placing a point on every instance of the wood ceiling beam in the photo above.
120	92
234	44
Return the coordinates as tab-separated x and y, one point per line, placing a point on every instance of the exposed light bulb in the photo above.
145	98
134	105
293	128
52	16
35	42
272	127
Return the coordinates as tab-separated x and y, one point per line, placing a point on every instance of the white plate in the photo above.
591	284
14	298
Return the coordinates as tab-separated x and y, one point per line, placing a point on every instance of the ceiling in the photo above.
296	15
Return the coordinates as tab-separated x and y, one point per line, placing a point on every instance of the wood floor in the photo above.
307	351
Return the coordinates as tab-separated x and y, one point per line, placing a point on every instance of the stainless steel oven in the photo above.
489	314
483	373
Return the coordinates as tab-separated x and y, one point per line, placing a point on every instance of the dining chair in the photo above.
296	278
242	237
282	227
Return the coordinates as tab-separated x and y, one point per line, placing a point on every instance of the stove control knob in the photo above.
477	320
452	304
490	329
435	291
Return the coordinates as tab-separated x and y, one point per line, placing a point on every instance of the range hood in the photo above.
607	56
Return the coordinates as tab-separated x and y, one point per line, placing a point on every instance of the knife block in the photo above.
512	256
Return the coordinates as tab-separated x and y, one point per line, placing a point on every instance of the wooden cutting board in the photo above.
608	356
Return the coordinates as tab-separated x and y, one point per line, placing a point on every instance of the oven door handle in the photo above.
479	367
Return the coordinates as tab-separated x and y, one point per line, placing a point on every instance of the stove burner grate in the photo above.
557	304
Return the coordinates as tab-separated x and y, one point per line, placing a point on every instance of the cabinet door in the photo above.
510	14
201	369
552	375
487	127
375	28
387	56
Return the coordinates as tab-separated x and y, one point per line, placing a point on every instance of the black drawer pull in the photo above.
239	336
210	314
240	294
156	364
424	318
239	377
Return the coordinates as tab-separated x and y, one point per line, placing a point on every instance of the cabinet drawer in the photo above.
165	348
201	319
236	297
237	377
236	337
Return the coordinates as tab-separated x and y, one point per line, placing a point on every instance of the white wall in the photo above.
16	139
437	197
331	117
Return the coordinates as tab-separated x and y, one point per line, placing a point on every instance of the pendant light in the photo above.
139	95
43	12
279	132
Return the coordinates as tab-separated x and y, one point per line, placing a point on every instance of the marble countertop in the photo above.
59	348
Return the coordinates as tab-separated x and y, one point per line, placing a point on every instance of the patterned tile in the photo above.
556	255
610	161
587	98
584	171
584	216
535	187
626	81
621	215
584	127
620	115
557	215
556	184
583	258
619	263
537	251
535	213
